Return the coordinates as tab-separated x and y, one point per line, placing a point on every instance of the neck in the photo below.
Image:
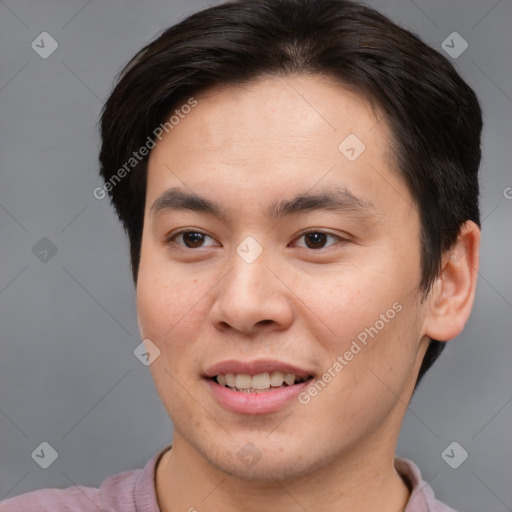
359	480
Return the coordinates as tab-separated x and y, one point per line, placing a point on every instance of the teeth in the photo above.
276	379
243	381
257	383
261	381
289	379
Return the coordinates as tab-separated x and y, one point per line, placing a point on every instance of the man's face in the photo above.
250	293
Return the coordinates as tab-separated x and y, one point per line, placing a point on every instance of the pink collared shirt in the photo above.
134	491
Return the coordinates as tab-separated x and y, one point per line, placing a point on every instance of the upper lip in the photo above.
255	367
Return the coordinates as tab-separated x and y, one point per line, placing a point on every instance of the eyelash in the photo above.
171	238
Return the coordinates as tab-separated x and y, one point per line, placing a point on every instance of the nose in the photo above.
252	298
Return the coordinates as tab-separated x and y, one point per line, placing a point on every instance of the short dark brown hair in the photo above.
434	116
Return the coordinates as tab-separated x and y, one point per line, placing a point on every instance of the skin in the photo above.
245	147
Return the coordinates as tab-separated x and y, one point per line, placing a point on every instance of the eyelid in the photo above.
169	238
323	231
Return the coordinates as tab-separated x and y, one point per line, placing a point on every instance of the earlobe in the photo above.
454	291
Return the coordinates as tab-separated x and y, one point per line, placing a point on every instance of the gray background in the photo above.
68	324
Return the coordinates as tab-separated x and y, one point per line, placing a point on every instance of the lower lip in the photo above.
255	403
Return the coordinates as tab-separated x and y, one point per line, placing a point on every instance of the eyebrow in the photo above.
337	198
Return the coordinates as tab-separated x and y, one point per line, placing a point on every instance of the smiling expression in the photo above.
267	251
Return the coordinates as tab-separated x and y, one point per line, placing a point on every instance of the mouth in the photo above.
260	383
256	387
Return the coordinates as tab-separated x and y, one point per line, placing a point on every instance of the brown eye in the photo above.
190	239
317	239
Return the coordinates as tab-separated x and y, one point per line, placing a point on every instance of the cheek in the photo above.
350	299
373	324
368	370
168	305
173	307
165	296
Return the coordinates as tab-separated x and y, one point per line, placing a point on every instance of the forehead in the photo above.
271	112
288	132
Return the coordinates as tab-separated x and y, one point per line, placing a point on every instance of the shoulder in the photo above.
76	498
422	498
117	493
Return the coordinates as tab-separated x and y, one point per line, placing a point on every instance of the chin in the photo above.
268	469
242	460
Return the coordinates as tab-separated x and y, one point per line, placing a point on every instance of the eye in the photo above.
316	239
191	239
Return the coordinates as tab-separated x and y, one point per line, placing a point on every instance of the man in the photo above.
298	181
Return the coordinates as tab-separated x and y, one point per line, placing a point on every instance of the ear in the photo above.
453	292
